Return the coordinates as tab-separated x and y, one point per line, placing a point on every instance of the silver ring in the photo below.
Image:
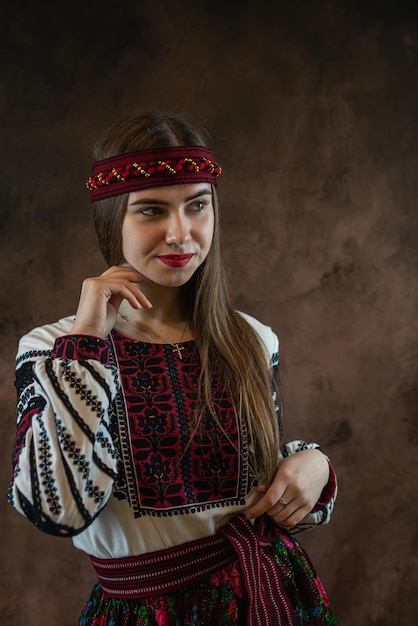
283	502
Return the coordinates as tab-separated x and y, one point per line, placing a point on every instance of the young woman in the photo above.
148	424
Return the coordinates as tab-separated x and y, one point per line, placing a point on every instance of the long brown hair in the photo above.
225	341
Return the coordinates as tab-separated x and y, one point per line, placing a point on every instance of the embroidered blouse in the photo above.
105	450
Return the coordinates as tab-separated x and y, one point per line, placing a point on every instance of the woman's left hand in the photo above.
295	489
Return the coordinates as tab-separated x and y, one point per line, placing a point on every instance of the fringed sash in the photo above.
268	602
164	571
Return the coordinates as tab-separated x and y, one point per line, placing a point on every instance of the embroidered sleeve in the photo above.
64	462
321	512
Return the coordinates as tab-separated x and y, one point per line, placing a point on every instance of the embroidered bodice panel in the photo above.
174	459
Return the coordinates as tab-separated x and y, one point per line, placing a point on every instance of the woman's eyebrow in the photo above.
203	192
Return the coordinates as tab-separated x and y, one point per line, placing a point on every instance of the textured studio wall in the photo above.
313	108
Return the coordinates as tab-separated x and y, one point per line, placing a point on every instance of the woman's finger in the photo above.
100	300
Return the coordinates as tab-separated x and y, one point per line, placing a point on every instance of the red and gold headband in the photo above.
151	168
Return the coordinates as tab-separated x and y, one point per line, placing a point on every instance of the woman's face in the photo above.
167	231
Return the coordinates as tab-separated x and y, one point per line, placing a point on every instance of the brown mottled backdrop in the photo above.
313	108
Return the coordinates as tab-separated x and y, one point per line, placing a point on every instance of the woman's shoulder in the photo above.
43	337
266	334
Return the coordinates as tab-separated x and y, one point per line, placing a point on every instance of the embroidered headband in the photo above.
152	168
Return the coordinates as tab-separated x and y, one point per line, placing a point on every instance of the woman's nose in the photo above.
178	230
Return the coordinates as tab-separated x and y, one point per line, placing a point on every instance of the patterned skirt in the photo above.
220	599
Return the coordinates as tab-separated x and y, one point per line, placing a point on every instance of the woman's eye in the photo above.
151	211
200	205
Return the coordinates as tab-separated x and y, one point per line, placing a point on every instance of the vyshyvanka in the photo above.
105	453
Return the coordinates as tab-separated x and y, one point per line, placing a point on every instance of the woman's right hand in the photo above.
101	297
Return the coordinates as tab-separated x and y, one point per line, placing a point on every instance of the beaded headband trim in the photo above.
152	168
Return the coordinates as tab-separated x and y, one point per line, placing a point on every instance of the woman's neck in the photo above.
163	323
166	304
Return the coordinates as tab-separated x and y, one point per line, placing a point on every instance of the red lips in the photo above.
176	260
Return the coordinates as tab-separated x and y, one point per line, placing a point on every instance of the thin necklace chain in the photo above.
176	346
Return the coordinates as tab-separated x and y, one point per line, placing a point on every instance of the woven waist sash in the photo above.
163	571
